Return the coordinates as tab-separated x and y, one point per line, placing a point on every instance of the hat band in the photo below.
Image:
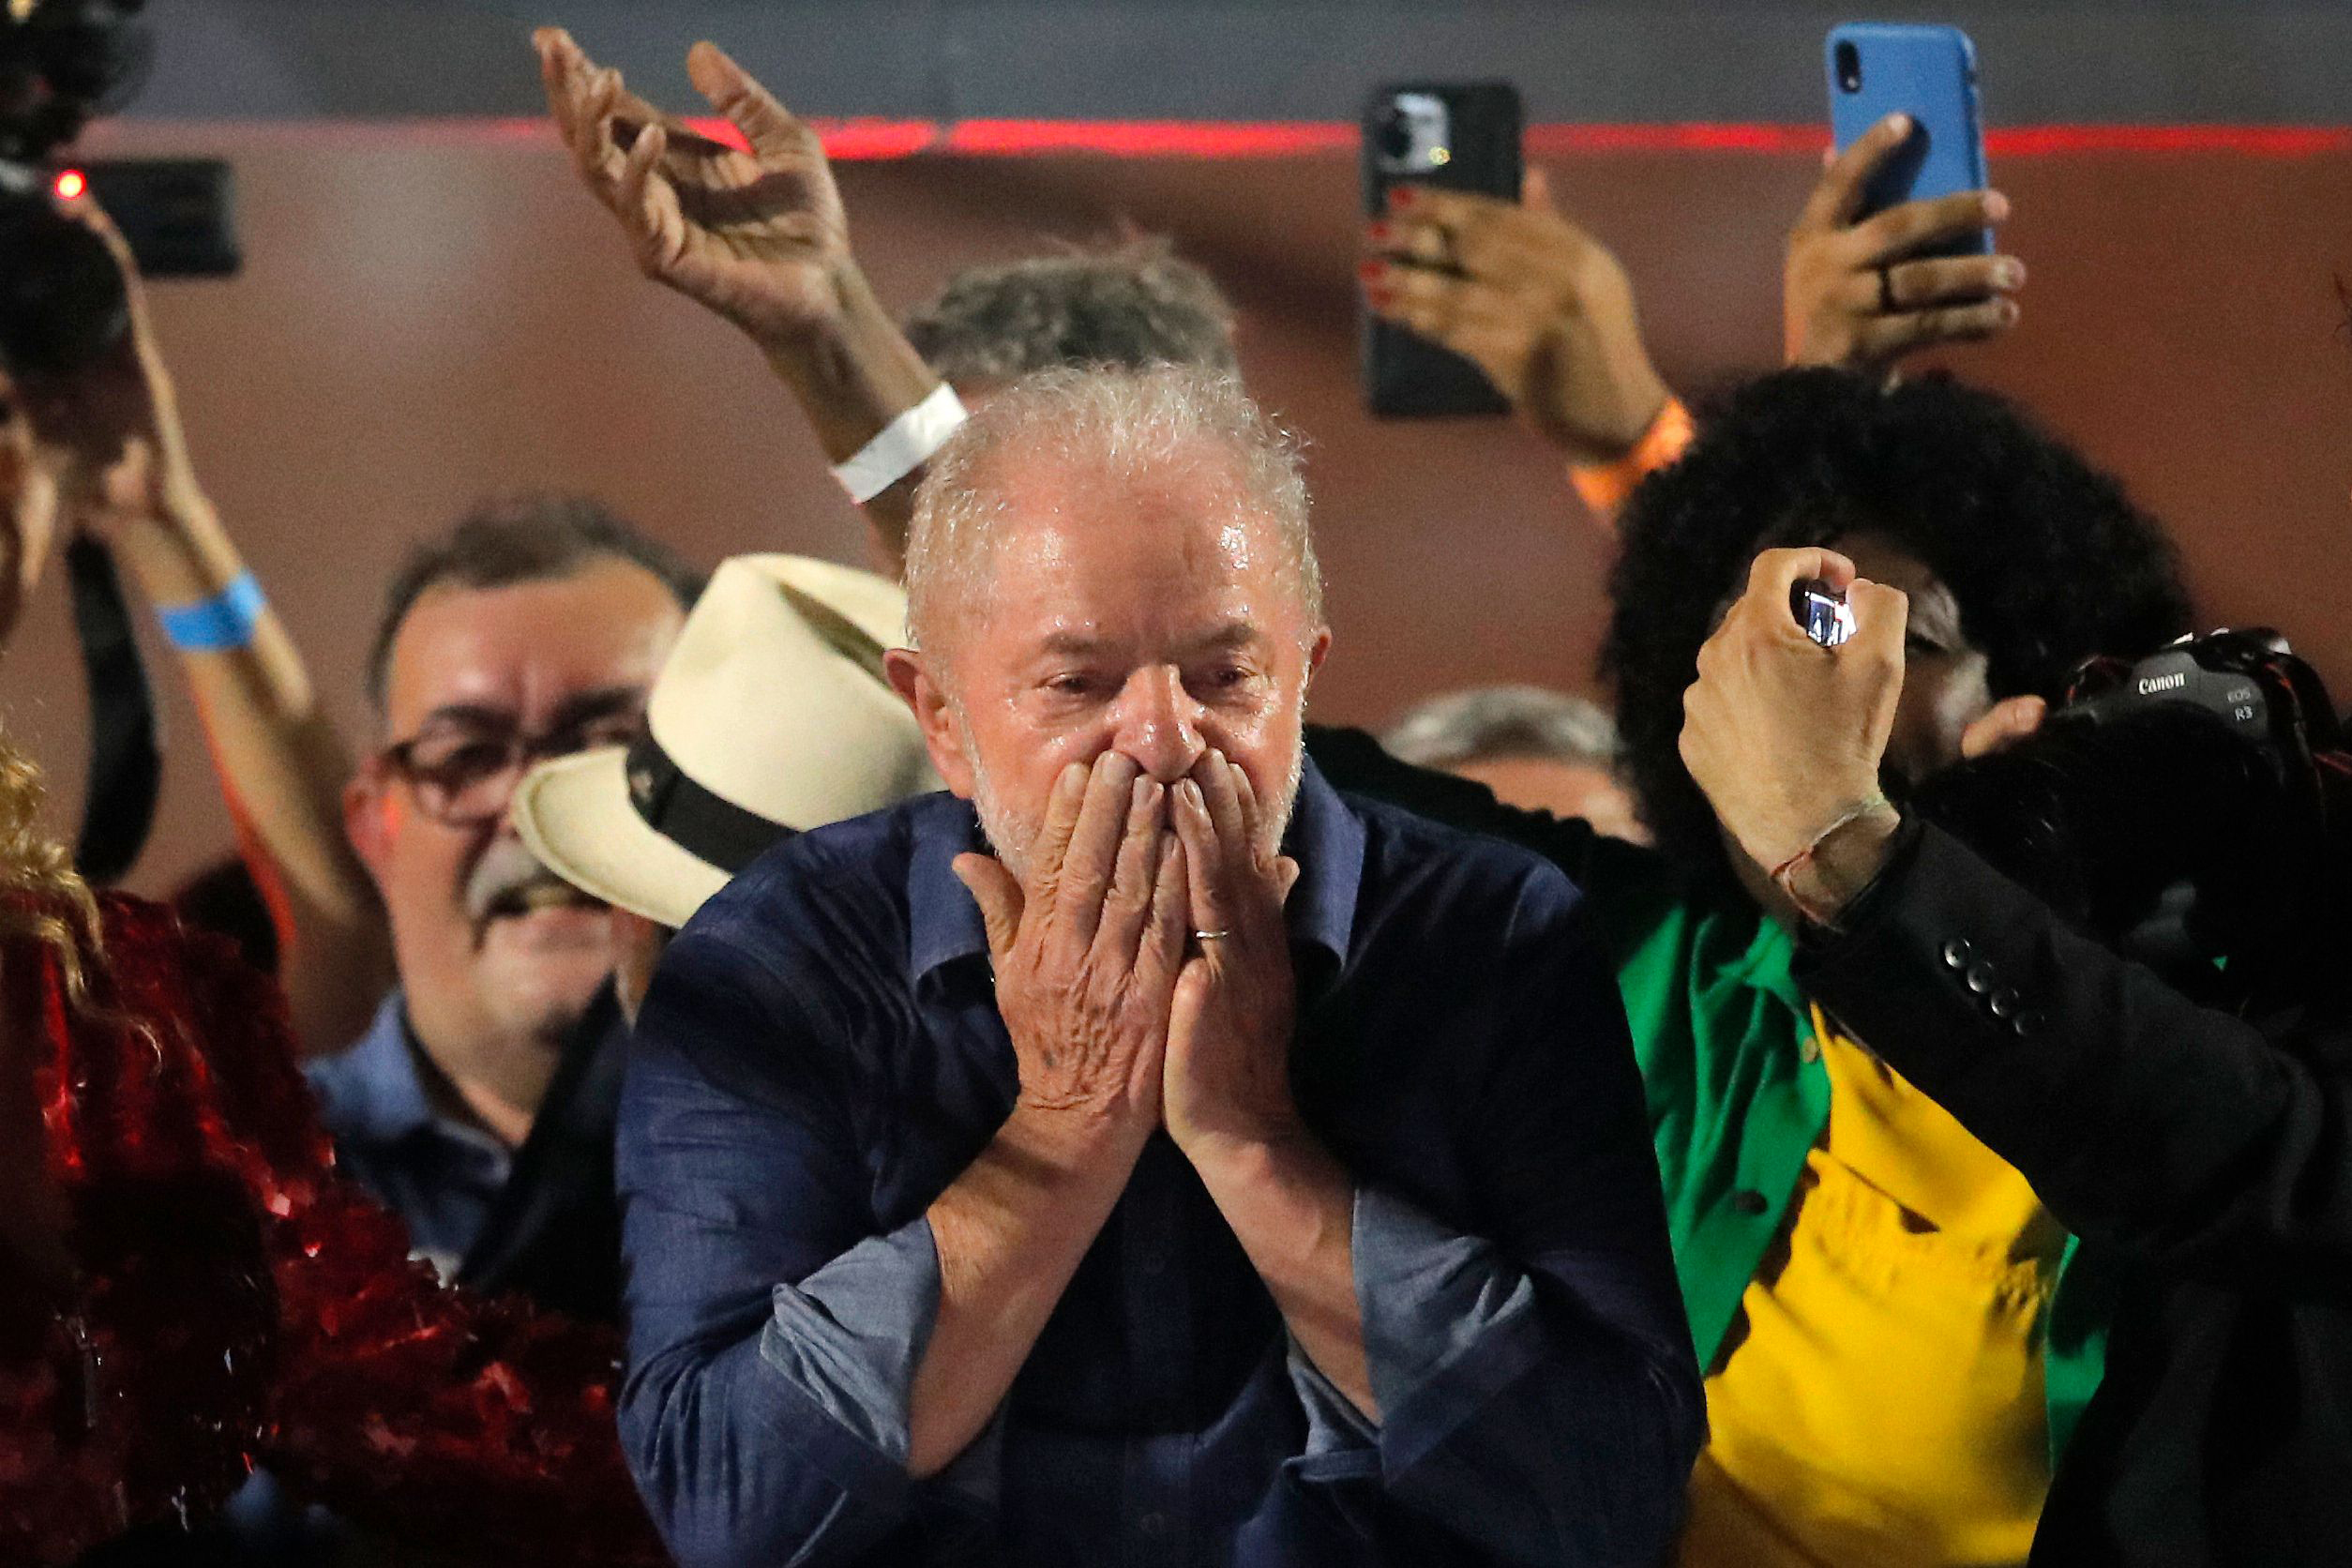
713	830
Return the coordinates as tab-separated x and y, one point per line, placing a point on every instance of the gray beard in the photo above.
1012	839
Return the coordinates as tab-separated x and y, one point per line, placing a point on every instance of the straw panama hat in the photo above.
772	714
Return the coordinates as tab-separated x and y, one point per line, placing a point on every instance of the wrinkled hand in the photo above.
1832	306
1784	736
1087	953
1229	1036
759	237
105	441
1528	298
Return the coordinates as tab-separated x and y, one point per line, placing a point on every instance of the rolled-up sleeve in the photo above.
773	1337
1538	1392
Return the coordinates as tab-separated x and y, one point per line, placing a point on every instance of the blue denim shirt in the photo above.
821	1055
439	1174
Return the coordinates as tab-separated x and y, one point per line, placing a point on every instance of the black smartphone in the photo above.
1459	136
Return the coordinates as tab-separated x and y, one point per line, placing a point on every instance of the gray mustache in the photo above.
507	874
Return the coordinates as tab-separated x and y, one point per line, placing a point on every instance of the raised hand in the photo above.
1858	295
105	439
1786	736
759	237
1088	949
1528	297
1229	1036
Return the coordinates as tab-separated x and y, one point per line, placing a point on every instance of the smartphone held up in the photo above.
1822	611
1457	136
1927	74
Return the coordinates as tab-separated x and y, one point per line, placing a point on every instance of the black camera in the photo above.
61	303
2193	809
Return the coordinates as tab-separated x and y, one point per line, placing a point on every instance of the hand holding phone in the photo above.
1892	253
1927	75
1457	136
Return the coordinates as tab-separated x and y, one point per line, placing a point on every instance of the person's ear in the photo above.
1317	651
368	810
909	677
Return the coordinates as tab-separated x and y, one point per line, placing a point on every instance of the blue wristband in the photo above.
219	623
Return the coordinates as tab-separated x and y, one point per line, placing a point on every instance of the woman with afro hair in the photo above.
1897	1348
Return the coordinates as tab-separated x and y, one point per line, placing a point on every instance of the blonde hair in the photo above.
40	897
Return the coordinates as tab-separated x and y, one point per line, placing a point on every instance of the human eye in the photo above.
454	758
1225	677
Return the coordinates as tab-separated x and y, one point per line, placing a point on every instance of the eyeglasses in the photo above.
465	776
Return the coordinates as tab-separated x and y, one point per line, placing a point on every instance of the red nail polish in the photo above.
1380	233
1371	272
1401	197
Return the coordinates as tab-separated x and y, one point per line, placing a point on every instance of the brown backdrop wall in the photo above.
429	313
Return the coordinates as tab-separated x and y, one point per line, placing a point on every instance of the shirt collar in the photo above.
1325	837
380	1091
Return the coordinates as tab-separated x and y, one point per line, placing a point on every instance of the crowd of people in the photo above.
948	1065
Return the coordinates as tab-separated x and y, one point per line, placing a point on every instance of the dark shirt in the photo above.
2205	1161
541	1221
822	1056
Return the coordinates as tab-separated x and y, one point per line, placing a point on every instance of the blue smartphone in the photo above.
1876	69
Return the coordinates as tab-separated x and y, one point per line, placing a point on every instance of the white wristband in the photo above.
903	445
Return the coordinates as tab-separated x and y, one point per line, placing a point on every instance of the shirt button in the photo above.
1809	1048
1958	954
1983	978
1749	1201
2030	1024
1154	1523
2001	1003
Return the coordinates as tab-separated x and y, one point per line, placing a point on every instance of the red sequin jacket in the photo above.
239	1303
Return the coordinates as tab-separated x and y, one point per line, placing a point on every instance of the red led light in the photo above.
72	183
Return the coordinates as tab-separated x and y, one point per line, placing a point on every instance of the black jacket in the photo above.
554	1232
2206	1162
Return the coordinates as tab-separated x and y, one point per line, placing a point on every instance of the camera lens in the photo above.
1395	135
1849	68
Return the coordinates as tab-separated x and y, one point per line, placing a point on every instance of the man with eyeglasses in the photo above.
532	630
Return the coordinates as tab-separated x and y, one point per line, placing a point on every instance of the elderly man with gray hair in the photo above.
1141	1152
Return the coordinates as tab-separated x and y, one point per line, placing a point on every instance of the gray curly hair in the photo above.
1137	305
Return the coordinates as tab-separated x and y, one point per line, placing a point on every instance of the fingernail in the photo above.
1189	792
1380	233
1898	121
1996	205
1073	778
1402	196
1372	271
2009	274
